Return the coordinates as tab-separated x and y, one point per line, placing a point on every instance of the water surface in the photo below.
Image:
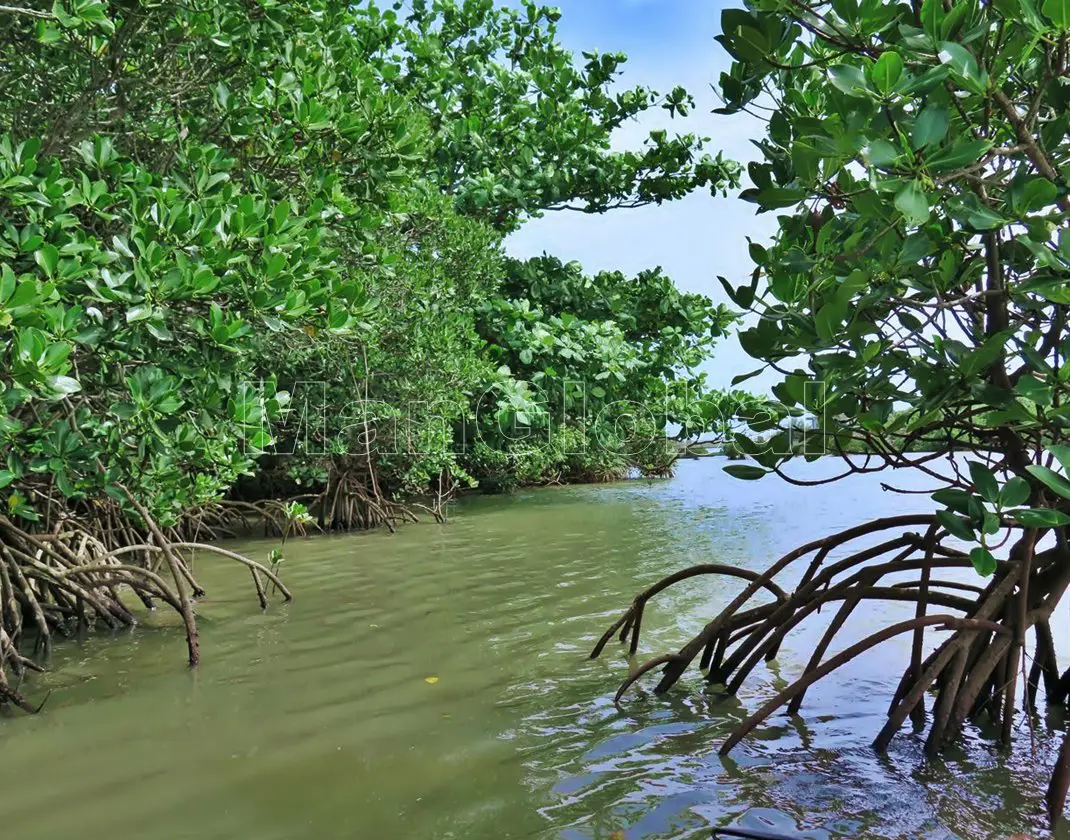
434	684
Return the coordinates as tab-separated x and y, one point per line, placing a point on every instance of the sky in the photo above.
668	43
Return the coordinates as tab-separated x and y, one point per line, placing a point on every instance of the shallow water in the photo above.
318	720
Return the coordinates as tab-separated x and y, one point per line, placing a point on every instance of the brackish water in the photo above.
434	684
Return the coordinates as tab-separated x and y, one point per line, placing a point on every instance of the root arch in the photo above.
975	670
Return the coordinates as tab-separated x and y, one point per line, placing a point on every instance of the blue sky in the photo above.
668	42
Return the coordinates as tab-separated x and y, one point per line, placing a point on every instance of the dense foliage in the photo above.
606	363
916	290
201	199
251	263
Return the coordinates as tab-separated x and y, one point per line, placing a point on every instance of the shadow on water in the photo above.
434	684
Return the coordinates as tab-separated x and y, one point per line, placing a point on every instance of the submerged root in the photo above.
1060	783
354	500
74	578
973	671
228	518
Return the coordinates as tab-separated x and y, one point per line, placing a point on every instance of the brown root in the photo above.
1060	783
840	659
633	616
974	670
79	574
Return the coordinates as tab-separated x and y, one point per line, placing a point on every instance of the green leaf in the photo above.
63	384
806	159
971	212
956	525
1056	291
930	127
774	198
983	561
991	524
927	81
963	66
743	377
959	501
7	283
48	258
932	16
912	202
829	319
984	481
1026	11
260	441
886	72
848	78
1033	390
745	472
1015	492
953	21
1058	12
1033	194
1051	479
158	329
958	156
24	295
880	153
139	312
121	246
1040	517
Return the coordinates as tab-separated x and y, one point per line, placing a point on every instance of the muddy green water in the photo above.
316	720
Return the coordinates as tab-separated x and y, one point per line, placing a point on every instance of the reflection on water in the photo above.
316	720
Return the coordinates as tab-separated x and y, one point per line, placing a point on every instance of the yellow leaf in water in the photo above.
431	680
617	835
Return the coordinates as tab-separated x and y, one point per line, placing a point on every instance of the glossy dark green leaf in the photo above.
1041	518
1015	492
984	481
983	561
48	258
745	472
1058	12
1034	390
959	155
962	64
1052	480
932	16
849	79
881	153
886	72
956	525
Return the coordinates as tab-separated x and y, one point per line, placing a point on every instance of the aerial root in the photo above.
229	518
840	659
643	669
1062	692
973	671
1060	783
632	618
353	501
74	577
